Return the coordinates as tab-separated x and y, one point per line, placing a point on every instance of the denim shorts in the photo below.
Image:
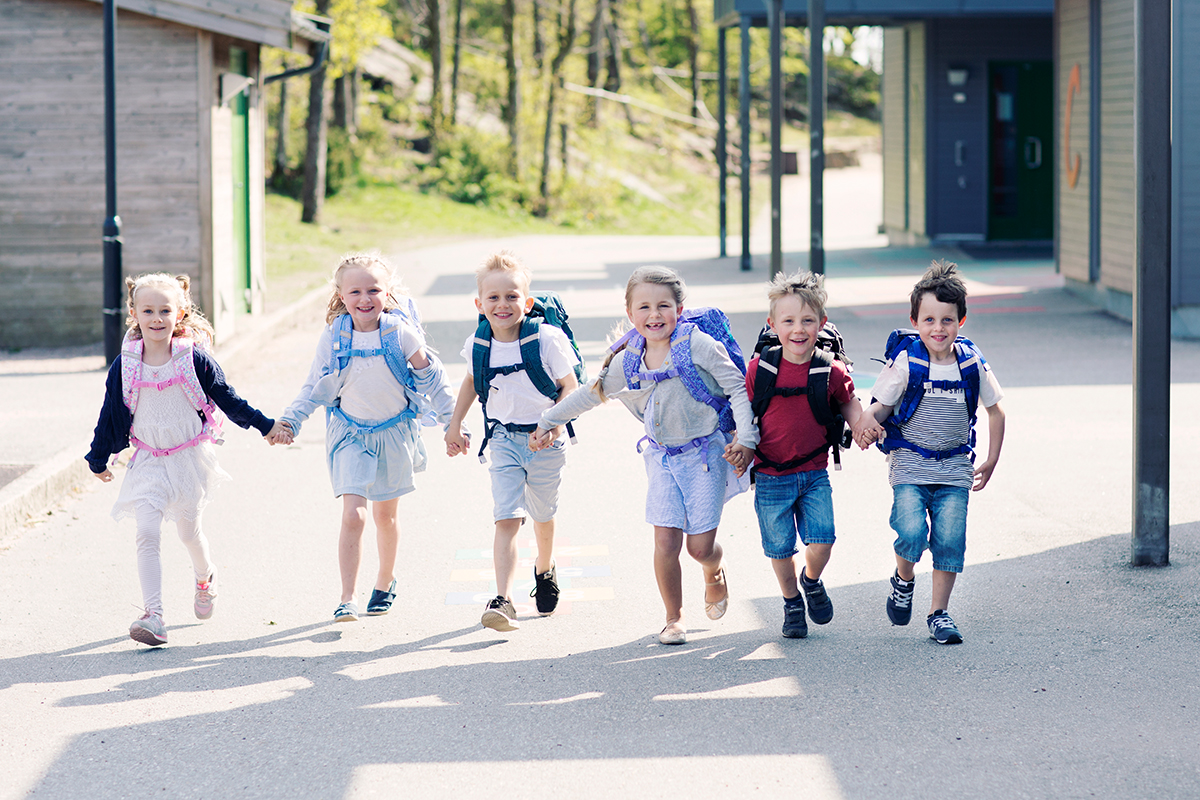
524	482
914	506
791	506
682	493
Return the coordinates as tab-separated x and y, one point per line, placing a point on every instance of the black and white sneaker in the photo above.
899	602
942	629
795	626
500	615
545	590
820	607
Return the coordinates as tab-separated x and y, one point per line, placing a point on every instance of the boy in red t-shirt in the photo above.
793	498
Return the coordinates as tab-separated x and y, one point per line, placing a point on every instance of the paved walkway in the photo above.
1077	677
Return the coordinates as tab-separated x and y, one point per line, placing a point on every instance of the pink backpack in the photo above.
185	374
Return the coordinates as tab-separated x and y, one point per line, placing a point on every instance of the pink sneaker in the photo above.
149	629
206	596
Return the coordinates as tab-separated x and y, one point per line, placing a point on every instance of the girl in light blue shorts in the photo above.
657	377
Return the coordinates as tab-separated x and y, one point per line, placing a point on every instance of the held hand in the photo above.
983	474
740	457
280	433
457	442
105	476
541	438
867	433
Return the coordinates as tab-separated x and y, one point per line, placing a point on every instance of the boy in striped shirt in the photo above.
930	460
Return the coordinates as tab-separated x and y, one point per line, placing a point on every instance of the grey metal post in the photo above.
816	131
1152	284
722	67
775	13
112	223
744	126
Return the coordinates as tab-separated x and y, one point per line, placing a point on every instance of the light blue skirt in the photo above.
377	465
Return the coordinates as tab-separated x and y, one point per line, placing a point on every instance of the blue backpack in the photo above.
970	365
709	320
547	308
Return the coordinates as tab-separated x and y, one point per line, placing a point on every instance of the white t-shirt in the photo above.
513	398
370	391
940	422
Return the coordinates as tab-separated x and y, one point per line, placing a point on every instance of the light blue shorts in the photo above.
377	466
524	482
682	493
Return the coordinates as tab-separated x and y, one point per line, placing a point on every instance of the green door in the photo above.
240	169
1021	150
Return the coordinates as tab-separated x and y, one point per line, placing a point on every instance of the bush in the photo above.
470	167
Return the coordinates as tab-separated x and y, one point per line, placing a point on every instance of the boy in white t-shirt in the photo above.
525	480
926	397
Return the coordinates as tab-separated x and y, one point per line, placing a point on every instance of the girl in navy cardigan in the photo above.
162	396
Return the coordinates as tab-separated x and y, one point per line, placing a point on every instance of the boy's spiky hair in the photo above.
503	261
809	288
943	282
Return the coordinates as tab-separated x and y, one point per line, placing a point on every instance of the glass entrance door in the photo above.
1021	150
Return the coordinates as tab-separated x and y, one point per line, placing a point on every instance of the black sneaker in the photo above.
545	590
381	601
820	607
794	624
942	629
899	602
500	615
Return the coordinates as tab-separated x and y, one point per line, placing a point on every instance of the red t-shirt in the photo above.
788	429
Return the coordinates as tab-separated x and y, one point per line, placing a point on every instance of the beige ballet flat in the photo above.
717	610
674	633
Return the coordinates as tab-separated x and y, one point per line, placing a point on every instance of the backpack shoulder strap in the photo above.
393	348
340	339
970	365
131	371
819	370
765	378
531	357
918	374
183	354
481	357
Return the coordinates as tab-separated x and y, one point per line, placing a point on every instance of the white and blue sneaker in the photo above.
942	629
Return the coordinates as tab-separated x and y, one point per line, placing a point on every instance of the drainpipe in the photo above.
322	24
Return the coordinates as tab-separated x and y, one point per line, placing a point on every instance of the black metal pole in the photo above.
744	132
112	223
722	170
816	132
1152	284
775	13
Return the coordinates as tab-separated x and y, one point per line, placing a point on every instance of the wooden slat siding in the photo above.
205	101
956	211
895	165
222	312
258	201
1074	207
1186	153
262	21
52	164
916	127
1117	190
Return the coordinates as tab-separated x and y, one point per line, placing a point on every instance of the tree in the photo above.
566	40
512	103
312	195
458	4
436	111
693	47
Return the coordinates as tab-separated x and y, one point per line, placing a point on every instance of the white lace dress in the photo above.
180	484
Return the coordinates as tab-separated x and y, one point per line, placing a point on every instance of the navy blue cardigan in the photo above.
112	431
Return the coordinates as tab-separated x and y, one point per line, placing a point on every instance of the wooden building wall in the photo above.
1073	107
895	135
52	162
918	121
1117	188
1185	153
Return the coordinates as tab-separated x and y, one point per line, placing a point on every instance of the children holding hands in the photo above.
525	470
927	397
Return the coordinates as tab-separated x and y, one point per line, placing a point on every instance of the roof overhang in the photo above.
879	12
269	22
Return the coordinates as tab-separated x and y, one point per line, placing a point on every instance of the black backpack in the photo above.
829	347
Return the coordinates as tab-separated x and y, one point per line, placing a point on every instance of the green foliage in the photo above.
357	26
470	167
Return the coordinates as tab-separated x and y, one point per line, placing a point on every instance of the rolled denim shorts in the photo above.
793	506
932	516
524	482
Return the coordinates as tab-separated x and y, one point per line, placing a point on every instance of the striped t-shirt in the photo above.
940	422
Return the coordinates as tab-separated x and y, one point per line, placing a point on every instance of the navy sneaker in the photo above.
820	607
381	601
545	590
346	612
794	624
899	602
942	629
